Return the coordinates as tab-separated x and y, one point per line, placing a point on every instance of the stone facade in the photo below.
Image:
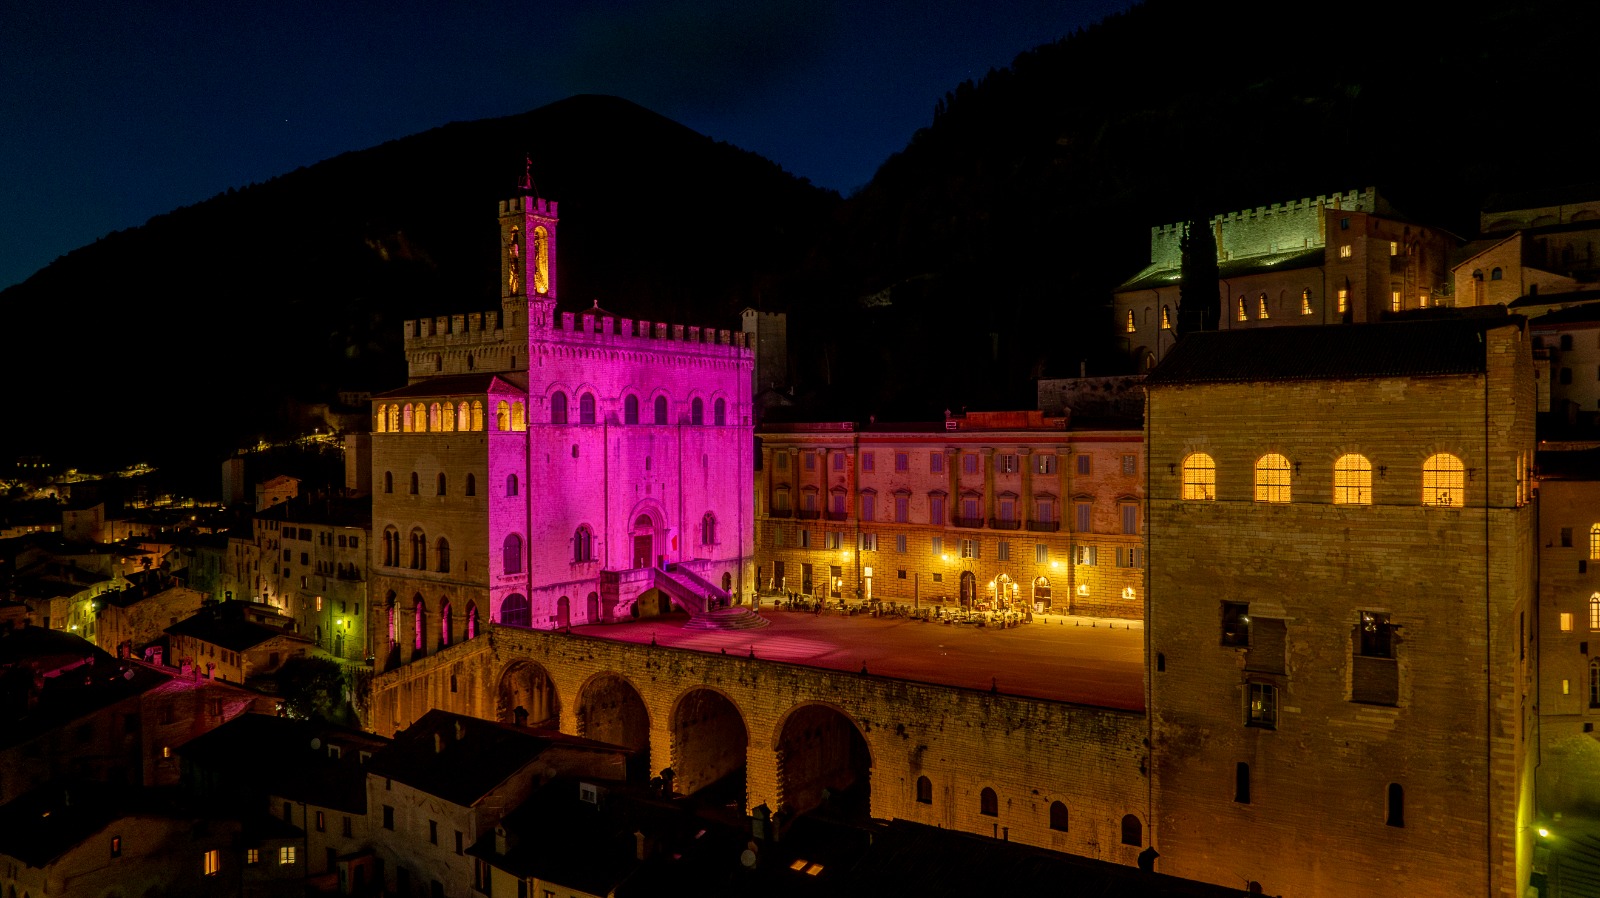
955	514
542	471
1317	694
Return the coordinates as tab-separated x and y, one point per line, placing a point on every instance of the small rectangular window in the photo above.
938	545
838	461
1130	464
969	463
1263	710
1045	464
1566	537
1085	514
1394	248
1345	251
1566	621
1008	464
936	462
805	539
969	548
900	543
1088	555
902	462
1041	553
1130	518
1085	463
811	461
1003	551
388	817
211	862
867	461
1344	300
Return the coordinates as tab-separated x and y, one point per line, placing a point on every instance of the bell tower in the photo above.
528	255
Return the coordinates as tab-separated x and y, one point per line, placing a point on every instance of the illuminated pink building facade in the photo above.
551	469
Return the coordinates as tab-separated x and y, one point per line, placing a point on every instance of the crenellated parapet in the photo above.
464	344
1264	230
588	328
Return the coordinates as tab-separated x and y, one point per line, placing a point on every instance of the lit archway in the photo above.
822	757
611	710
709	744
526	687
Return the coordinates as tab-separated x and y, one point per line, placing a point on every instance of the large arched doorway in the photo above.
563	612
822	757
969	589
611	710
1041	593
709	746
527	696
593	608
644	531
516	611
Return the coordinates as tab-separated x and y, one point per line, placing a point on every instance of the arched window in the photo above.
472	620
419	550
719	413
419	617
924	790
661	409
1594	542
394	419
444	623
463	417
1352	480
1272	478
1395	807
502	416
472	485
391	609
511	484
516	611
988	803
1041	592
1495	274
388	481
1594	611
442	484
1166	318
434	422
519	416
1594	682
697	411
441	555
1261	307
477	416
1130	327
708	529
405	419
1243	315
391	547
511	563
381	420
586	408
447	417
1444	481
582	545
1305	302
1058	816
1199	477
422	418
630	409
414	483
1132	831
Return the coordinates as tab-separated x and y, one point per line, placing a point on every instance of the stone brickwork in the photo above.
1569	612
1030	752
1280	737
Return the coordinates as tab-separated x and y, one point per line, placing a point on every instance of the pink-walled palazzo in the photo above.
546	468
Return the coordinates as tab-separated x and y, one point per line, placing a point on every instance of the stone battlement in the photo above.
537	204
1280	227
613	331
452	330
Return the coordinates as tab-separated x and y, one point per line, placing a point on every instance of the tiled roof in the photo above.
459	385
289	758
1554	299
1416	348
227	628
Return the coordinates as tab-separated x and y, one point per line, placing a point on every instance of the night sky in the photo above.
113	112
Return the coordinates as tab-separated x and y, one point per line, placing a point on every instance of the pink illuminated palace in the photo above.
550	469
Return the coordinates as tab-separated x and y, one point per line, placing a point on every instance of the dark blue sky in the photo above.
113	112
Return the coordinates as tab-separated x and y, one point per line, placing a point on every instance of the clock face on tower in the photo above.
541	260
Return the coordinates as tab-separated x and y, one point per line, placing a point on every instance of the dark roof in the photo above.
1542	197
1580	464
1414	348
41	826
473	756
224	625
289	758
1554	299
1232	268
458	385
912	859
1587	313
355	512
79	680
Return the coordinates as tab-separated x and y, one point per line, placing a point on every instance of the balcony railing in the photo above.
974	523
1044	526
805	515
836	515
1003	524
780	513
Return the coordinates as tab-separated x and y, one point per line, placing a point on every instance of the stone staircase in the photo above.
689	591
